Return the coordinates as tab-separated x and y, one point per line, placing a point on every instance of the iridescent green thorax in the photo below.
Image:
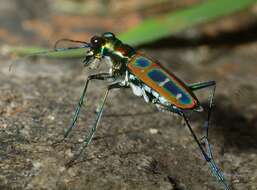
117	51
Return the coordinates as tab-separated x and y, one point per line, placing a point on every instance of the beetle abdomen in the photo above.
160	80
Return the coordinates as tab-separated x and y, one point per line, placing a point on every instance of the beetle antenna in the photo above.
68	40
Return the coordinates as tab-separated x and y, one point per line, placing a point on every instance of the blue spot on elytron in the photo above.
171	87
142	62
157	75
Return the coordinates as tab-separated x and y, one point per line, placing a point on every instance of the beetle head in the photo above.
96	49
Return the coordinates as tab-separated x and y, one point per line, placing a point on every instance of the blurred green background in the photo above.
136	23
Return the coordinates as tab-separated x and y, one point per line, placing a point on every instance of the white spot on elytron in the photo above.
179	95
164	82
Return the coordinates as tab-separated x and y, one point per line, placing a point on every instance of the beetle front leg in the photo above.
89	137
99	76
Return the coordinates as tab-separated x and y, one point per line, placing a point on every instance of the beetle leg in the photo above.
203	85
207	156
99	76
215	170
89	137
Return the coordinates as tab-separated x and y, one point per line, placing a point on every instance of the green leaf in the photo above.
37	51
166	25
162	26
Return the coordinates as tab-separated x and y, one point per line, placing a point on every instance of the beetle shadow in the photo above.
239	131
227	121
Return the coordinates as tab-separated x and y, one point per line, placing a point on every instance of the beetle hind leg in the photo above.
204	85
207	154
201	85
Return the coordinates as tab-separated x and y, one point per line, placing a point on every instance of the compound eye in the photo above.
97	41
108	35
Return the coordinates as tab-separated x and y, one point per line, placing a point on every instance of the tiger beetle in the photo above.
146	77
